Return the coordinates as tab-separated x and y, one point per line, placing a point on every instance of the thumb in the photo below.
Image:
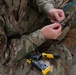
59	29
57	17
55	25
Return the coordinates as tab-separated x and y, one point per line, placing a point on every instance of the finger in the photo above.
59	29
53	21
55	25
57	16
62	15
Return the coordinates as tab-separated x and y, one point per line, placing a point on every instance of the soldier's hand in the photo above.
56	15
51	31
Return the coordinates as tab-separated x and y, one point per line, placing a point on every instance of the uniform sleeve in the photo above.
37	38
26	44
44	5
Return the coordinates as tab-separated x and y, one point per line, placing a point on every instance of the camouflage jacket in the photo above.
22	17
25	17
18	19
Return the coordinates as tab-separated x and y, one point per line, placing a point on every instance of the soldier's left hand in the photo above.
56	15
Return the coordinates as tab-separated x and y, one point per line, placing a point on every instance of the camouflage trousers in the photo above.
59	66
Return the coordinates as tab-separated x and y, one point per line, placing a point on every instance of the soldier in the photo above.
24	26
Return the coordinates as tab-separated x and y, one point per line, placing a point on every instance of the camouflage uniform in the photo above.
20	24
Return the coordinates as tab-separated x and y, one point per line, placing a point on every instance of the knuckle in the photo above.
55	37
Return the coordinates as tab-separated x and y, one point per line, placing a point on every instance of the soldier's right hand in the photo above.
51	31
